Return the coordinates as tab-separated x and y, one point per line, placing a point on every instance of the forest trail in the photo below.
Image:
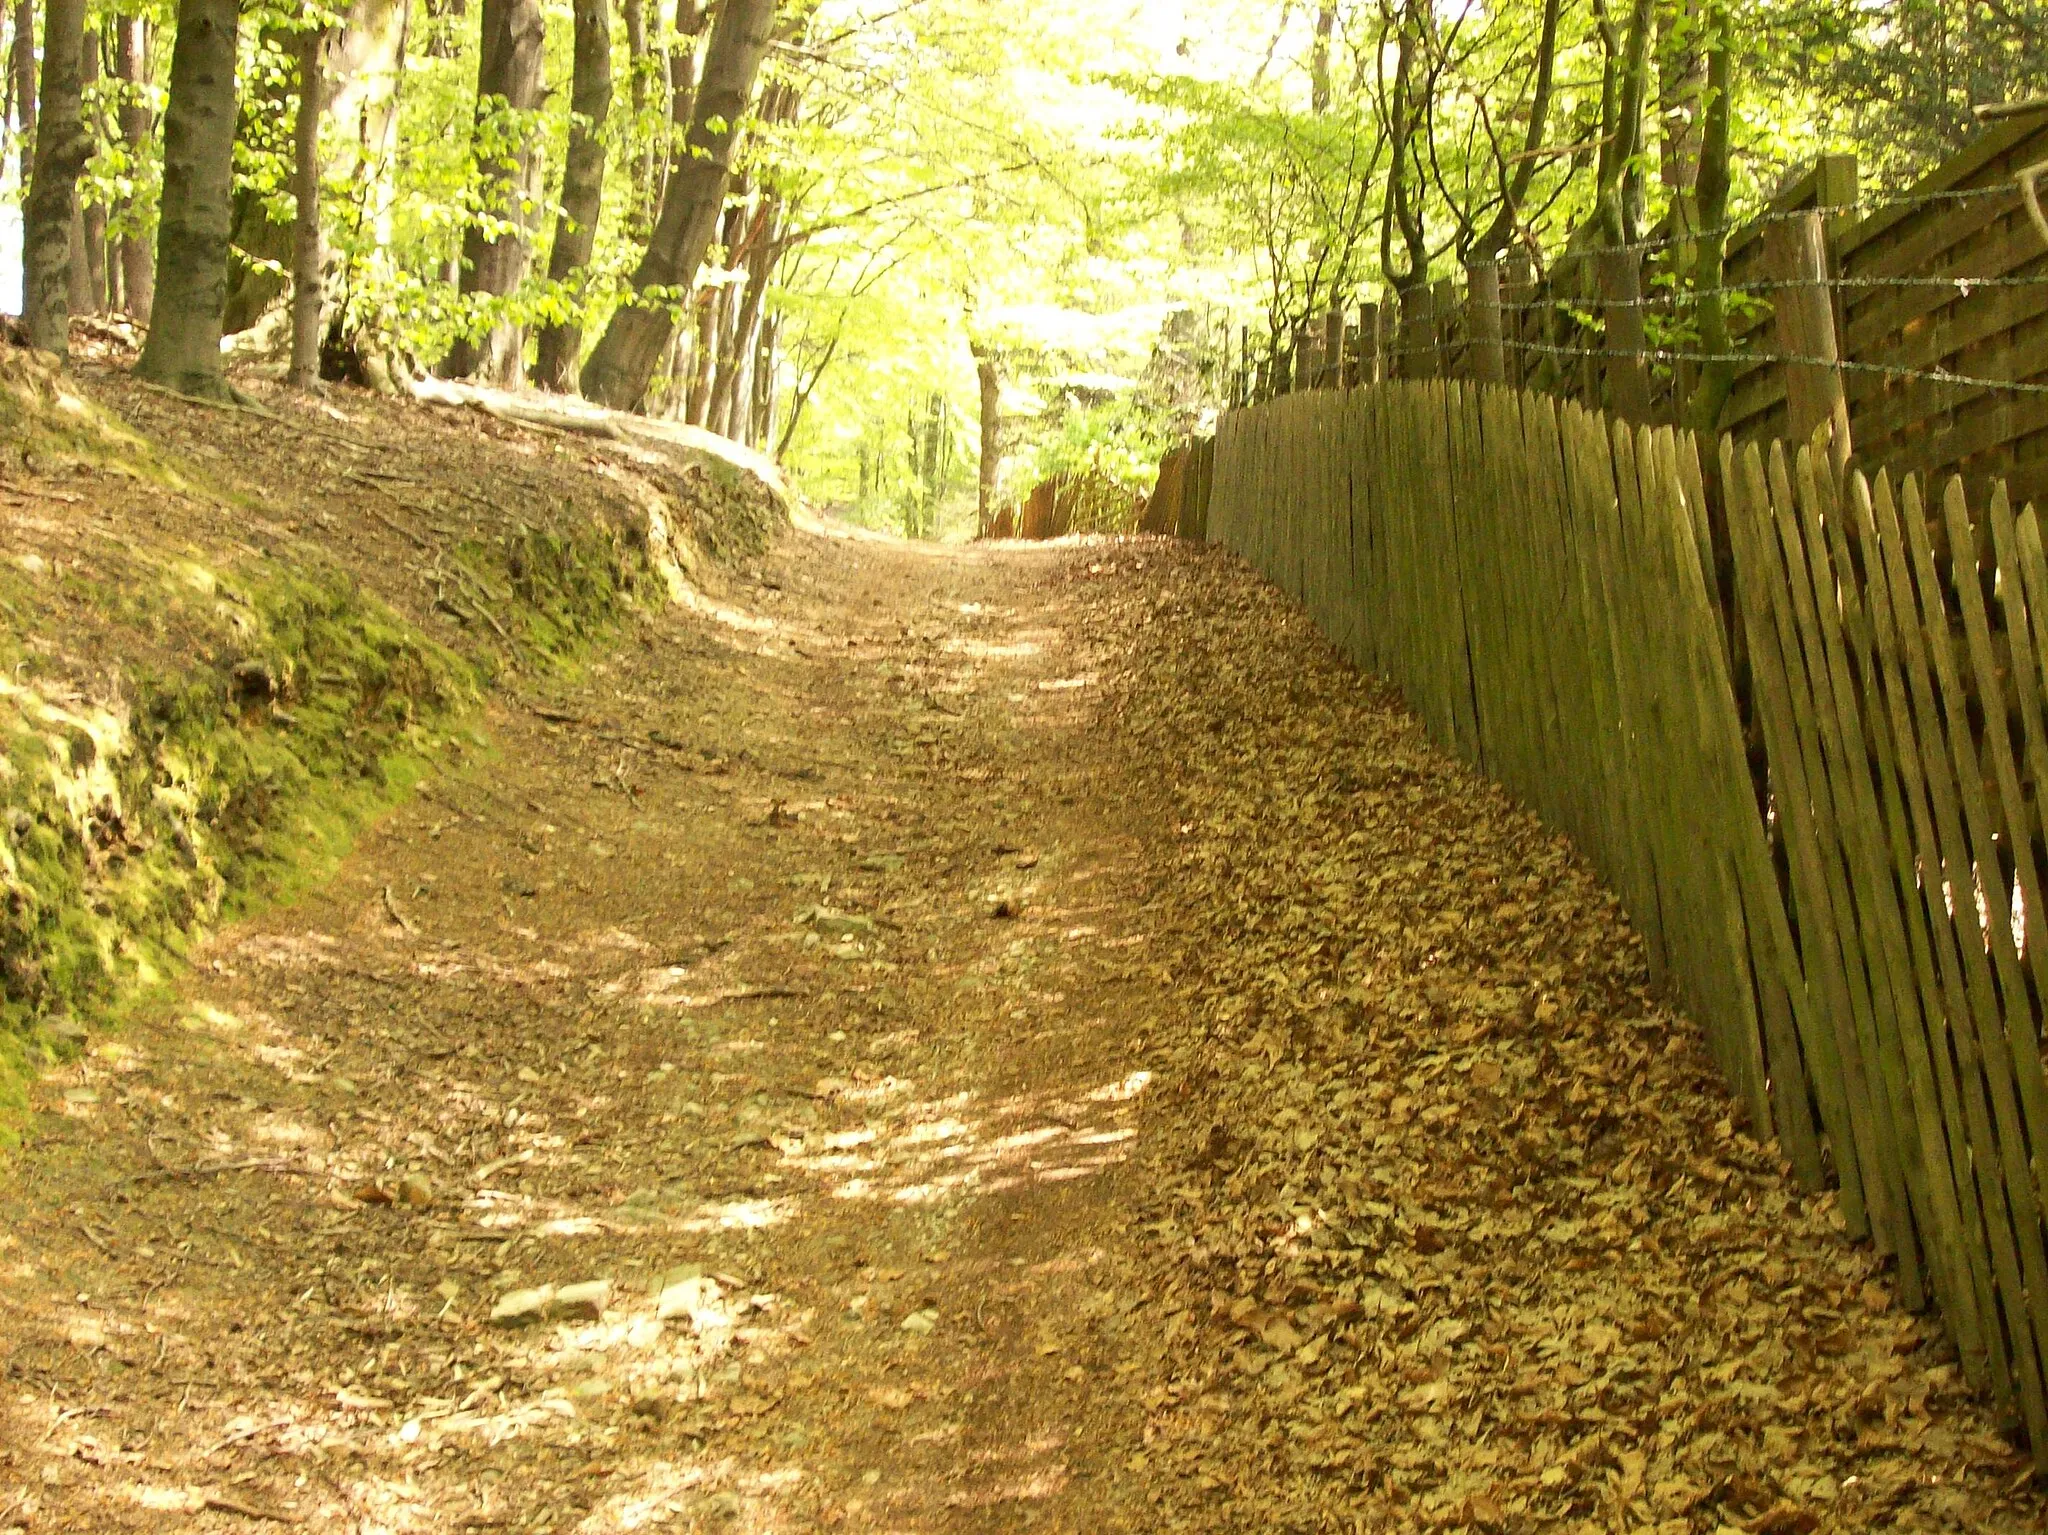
1030	1041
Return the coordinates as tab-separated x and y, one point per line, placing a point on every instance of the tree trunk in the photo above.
364	66
638	62
90	274
138	266
988	369
1717	379
183	350
590	102
308	259
767	370
704	359
508	79
1319	57
50	214
639	332
23	63
762	242
680	88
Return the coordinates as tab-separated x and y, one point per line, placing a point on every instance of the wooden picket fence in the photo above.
1798	726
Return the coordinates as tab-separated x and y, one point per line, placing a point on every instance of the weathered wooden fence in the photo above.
1922	318
1801	735
1069	503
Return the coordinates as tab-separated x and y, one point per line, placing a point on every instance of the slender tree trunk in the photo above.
91	272
762	242
1624	92
309	259
679	86
1319	57
988	369
138	264
705	357
590	102
508	78
1717	379
638	63
50	213
639	332
23	63
183	350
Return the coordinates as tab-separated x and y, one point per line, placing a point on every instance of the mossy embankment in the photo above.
231	637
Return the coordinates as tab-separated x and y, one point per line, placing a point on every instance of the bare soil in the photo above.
1028	1041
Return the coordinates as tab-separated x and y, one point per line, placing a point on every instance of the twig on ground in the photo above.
229	1505
208	1169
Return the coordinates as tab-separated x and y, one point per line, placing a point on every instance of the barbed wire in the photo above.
1667	354
1675	297
1748	359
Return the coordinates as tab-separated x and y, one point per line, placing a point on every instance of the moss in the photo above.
247	717
130	825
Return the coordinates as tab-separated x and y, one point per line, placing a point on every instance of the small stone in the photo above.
516	1308
415	1191
692	1297
582	1302
827	923
921	1322
1005	907
590	1387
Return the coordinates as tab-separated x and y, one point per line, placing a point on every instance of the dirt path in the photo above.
1021	1040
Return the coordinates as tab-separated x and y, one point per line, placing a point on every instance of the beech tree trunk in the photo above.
638	62
763	241
590	103
309	259
50	215
23	62
508	78
183	350
138	267
1319	57
92	216
626	356
704	359
988	370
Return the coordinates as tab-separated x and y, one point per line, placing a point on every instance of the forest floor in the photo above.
950	1040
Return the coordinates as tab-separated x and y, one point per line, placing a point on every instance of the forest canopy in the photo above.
928	251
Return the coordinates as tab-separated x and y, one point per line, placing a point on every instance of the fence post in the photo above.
1445	308
1366	354
1628	374
1415	342
1518	290
1483	321
1796	253
1304	357
1333	347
